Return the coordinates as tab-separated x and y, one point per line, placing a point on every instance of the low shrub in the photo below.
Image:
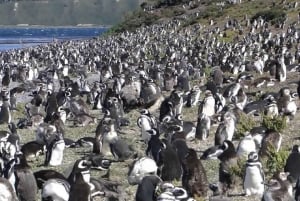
278	123
275	161
244	125
274	16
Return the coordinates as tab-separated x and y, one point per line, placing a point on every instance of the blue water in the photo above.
22	37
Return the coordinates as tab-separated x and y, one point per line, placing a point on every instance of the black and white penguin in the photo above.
6	78
25	183
7	192
270	139
169	163
171	192
225	129
286	103
140	168
228	159
80	190
146	122
293	162
42	176
155	145
5	113
146	189
55	151
279	188
12	143
194	178
203	127
32	150
59	188
246	146
254	176
105	134
193	97
207	106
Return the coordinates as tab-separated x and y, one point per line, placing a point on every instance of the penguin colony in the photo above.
158	103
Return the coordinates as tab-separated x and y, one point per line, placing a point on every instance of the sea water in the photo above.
22	37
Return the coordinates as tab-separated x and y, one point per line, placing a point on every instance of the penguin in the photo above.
13	101
194	178
32	150
193	97
254	176
80	190
208	105
120	149
105	134
228	159
12	144
279	188
203	127
146	122
58	188
7	192
85	142
5	113
246	146
169	163
225	130
55	149
6	78
270	139
155	145
292	163
26	186
42	176
99	162
181	149
174	193
146	189
140	168
297	188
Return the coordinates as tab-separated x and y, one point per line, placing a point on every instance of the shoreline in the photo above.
52	26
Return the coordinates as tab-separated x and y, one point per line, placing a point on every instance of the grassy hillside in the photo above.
202	12
65	12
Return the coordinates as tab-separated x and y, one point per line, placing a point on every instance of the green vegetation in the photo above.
275	161
274	15
277	124
244	125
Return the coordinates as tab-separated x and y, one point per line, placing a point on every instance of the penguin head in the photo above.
81	166
153	132
253	156
296	149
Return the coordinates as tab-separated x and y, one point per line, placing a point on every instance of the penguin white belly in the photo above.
230	130
245	147
57	154
65	71
209	107
5	193
145	126
30	74
291	108
56	190
253	183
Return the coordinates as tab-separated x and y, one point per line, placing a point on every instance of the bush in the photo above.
275	15
244	125
239	169
275	161
277	124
